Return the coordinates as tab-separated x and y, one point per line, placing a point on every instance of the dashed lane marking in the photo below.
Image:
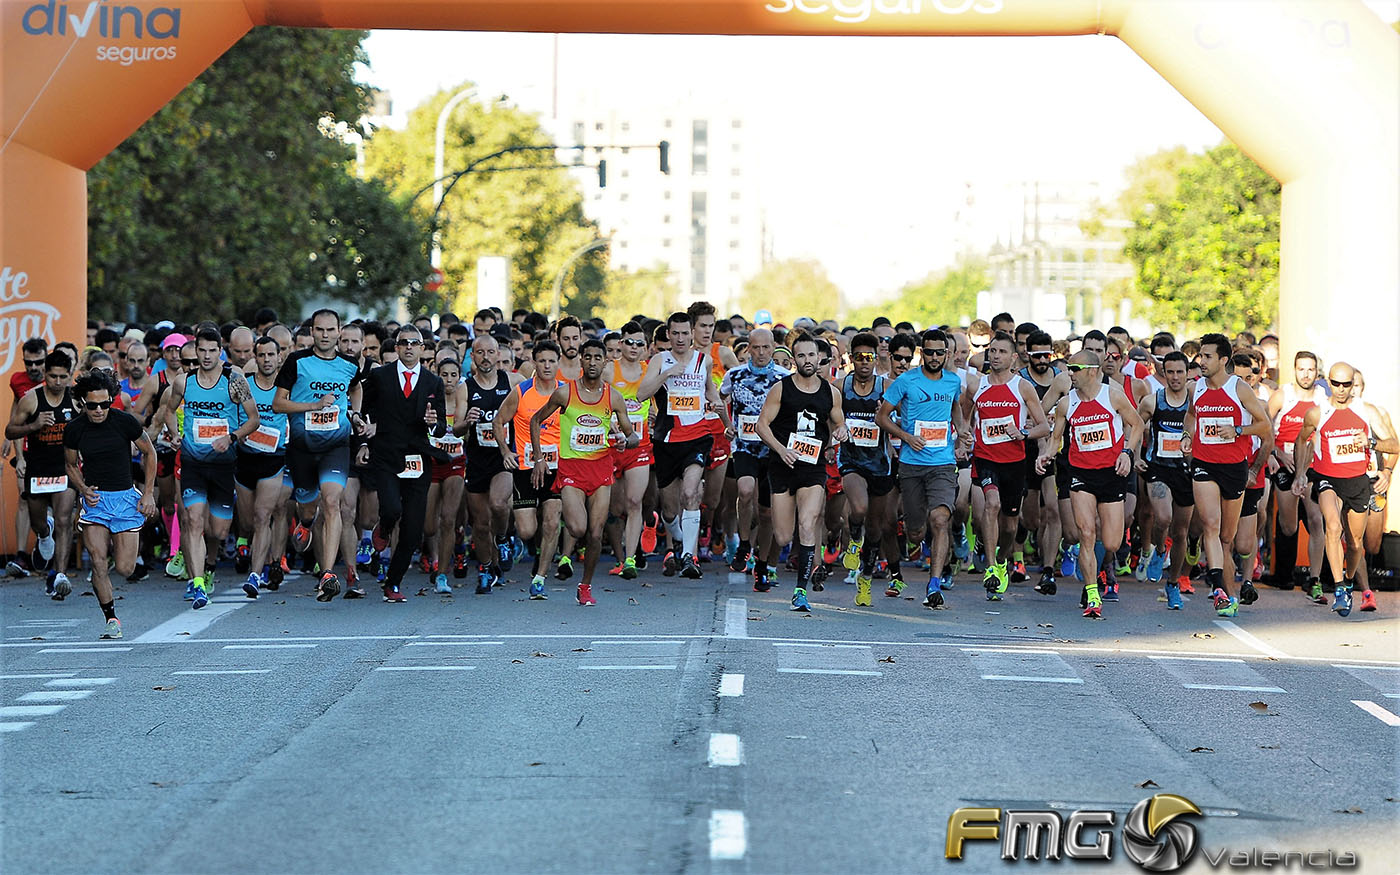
1377	712
626	668
736	618
15	726
849	671
223	671
1251	640
728	835
30	710
85	650
731	685
54	696
1236	687
187	623
454	643
81	682
268	646
725	749
56	674
1029	679
425	668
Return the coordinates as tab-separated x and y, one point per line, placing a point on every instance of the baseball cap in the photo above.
763	317
173	340
166	324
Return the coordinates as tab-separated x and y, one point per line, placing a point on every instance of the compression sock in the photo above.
805	554
690	531
109	610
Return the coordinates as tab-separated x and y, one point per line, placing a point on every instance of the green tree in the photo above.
790	289
652	292
1207	252
946	297
232	198
533	216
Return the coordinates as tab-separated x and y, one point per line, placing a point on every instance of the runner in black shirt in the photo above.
97	450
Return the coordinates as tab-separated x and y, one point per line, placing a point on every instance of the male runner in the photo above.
1041	509
317	388
746	387
38	420
1348	431
867	470
933	437
259	474
1101	427
1164	469
682	438
722	358
801	413
1224	414
631	467
1287	408
489	484
219	413
585	408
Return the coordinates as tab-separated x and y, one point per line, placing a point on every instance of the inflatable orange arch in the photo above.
1308	88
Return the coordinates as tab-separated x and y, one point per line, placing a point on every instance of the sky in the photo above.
867	145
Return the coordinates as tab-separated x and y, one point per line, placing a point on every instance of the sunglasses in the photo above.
97	405
1340	384
189	363
902	358
981	345
942	351
34	364
1045	356
631	342
1076	368
410	343
1254	370
1115	356
121	355
863	357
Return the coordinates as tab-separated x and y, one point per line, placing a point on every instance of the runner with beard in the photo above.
722	358
38	420
867	470
262	463
1287	409
631	467
489	483
1165	471
1041	510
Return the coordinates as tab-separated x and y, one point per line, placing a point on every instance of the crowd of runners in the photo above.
344	453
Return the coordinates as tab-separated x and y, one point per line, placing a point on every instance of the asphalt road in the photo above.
676	727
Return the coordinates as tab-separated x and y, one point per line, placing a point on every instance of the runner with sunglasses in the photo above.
867	474
1164	469
37	421
1288	407
1040	511
745	389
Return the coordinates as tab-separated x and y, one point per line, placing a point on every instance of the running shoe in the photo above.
275	574
241	559
250	586
1155	563
1143	564
15	567
1193	552
378	541
642	559
760	581
176	566
896	586
739	563
62	587
648	539
329	587
427	564
670	565
585	595
992	584
364	551
1003	579
1341	601
189	591
851	577
48	583
799	601
393	594
863	590
851	558
829	557
201	594
441	586
301	536
933	595
960	551
1108	587
353	590
564	569
615	571
629	569
1231	608
1315	594
505	555
1093	609
1173	597
1219	598
459	561
112	631
46	544
1184	583
537	589
138	573
1018	571
1047	582
1368	601
483	581
690	568
1069	565
1248	595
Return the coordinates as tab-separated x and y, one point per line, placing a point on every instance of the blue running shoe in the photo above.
933	596
365	551
1173	597
506	554
441	586
1069	566
189	591
1341	601
1110	592
483	583
250	587
201	596
537	589
1230	609
1154	566
799	601
960	547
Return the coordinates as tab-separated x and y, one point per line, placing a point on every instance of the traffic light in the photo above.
602	173
665	147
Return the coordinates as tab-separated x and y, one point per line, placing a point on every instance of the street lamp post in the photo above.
598	243
441	134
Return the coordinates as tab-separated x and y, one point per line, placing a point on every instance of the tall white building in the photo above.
703	223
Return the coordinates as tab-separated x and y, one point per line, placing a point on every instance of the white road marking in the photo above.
1034	680
85	650
626	668
453	643
831	671
841	646
268	646
1242	689
186	624
55	674
731	685
54	696
725	749
30	710
425	668
1008	650
1343	667
667	641
81	682
728	835
224	671
1377	712
1250	640
55	623
736	618
1198	658
15	727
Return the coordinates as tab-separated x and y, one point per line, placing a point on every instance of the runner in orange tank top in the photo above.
631	466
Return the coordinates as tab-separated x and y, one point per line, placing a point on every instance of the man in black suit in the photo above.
407	403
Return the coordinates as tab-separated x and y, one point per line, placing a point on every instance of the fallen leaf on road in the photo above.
589	690
909	598
163	689
1202	750
1348	810
541	654
1268	747
646	584
1343	644
518	661
1259	706
885	659
581	650
632	601
756	619
1202	635
423	591
38	638
1148	783
535	764
1100	665
89	592
182	633
1021	627
605	589
1046	625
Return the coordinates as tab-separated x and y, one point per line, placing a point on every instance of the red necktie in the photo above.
407	383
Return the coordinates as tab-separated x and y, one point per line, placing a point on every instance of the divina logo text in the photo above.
857	11
109	21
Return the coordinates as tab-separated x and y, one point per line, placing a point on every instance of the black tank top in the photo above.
488	401
807	414
43	452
